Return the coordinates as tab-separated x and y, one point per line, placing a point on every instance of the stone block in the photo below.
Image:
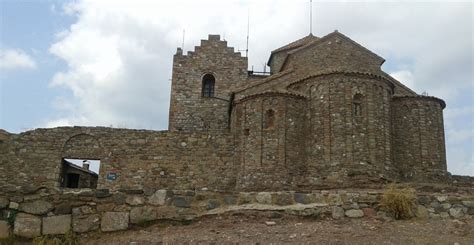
63	208
13	205
421	212
301	198
36	207
354	213
456	212
212	204
85	223
114	221
4	229
83	210
158	198
264	198
469	204
230	200
142	214
27	225
135	200
180	202
369	212
56	225
4	202
337	212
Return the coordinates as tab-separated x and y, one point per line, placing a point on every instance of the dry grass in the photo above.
69	238
399	202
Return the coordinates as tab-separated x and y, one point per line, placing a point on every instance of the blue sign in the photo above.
111	176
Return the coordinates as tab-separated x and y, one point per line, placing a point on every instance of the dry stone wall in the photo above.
55	212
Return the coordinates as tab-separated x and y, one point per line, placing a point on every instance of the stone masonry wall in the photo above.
142	159
53	212
419	145
189	111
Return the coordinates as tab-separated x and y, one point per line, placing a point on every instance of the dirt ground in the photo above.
277	229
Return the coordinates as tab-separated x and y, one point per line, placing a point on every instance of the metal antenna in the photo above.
182	45
311	17
248	32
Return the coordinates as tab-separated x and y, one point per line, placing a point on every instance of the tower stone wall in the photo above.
189	109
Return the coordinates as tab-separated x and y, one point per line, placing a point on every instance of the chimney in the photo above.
85	165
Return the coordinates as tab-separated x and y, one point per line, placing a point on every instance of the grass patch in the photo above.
400	202
70	238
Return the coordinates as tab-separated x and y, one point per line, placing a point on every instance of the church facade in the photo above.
326	113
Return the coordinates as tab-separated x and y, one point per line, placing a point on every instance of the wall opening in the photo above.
357	105
208	83
79	173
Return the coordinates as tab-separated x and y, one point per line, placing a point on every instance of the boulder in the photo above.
354	213
283	199
158	198
85	223
114	221
469	204
369	212
142	214
230	200
421	212
302	198
4	229
27	225
56	225
36	207
212	204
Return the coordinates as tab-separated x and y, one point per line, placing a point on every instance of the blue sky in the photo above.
108	62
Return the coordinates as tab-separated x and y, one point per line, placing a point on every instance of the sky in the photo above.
108	63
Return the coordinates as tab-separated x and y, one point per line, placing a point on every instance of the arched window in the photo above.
269	119
208	82
357	104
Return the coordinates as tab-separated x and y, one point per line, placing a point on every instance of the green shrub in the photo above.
399	202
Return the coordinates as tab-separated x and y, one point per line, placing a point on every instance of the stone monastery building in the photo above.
326	116
326	111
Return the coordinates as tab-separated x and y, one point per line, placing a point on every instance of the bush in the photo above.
399	202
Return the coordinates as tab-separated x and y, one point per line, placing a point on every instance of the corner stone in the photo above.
354	213
56	225
114	221
27	225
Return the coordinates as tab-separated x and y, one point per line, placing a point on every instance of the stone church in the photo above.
325	112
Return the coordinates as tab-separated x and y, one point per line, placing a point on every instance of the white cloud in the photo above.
119	53
11	59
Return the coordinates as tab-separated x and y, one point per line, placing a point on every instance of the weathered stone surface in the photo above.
468	203
424	200
55	225
36	207
181	202
101	193
264	198
354	213
85	223
212	204
421	212
230	200
337	212
369	212
158	198
302	198
27	225
456	212
142	214
4	202
135	200
4	229
13	205
63	208
82	210
283	199
114	221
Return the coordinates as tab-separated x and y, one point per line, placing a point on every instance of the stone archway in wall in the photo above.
79	152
